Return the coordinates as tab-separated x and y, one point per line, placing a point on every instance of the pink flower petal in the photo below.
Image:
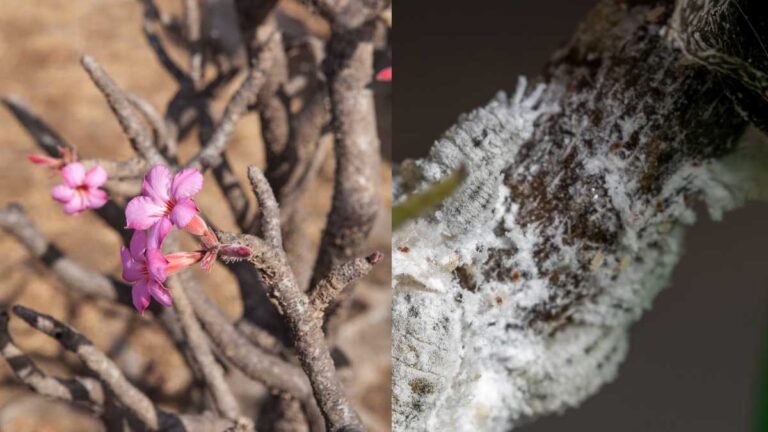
96	198
142	212
384	74
62	193
157	232
131	270
157	183
141	296
156	264
73	174
95	177
198	227
160	293
75	205
183	212
186	183
138	245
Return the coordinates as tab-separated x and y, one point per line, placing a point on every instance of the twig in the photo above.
270	213
233	191
192	24
210	154
165	141
257	20
150	22
223	173
307	127
45	137
322	294
132	168
124	111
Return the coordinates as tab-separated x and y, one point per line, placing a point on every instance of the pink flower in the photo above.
79	190
146	268
165	201
384	74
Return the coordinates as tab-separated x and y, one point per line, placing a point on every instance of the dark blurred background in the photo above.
694	362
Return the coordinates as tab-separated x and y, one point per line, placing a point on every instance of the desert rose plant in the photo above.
302	87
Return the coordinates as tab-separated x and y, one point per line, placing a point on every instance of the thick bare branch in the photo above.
355	204
308	337
322	294
45	137
108	373
193	30
124	111
164	141
210	154
132	168
96	362
201	350
85	390
14	221
150	24
254	362
258	27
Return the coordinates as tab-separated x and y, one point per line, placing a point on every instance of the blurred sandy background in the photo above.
40	45
695	359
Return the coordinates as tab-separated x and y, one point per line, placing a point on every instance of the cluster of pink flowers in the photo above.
79	189
165	201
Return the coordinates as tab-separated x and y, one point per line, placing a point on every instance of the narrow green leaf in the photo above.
417	204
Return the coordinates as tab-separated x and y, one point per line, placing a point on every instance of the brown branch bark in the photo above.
210	155
252	361
329	288
126	115
85	390
193	30
108	373
308	338
349	68
200	349
150	24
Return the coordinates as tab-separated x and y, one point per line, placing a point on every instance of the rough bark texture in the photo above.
354	207
513	300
